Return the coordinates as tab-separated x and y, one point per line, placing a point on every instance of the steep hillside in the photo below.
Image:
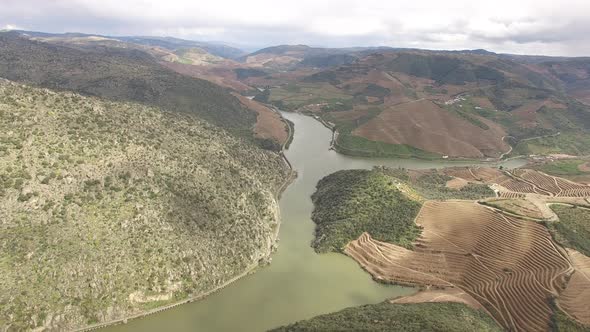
427	126
387	317
121	75
431	104
574	73
110	209
348	203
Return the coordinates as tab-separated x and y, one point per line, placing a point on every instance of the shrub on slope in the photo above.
350	202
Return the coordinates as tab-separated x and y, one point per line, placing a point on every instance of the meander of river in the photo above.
299	283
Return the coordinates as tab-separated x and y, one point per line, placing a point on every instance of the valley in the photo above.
153	183
299	283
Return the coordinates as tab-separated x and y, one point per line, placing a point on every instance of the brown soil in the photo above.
575	298
474	174
509	265
550	185
425	125
517	183
456	183
348	116
585	167
217	74
521	207
268	123
440	295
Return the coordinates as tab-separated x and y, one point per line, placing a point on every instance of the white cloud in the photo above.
10	27
521	26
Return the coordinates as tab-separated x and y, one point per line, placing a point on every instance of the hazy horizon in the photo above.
524	27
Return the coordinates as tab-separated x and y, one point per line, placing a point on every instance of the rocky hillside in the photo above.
109	209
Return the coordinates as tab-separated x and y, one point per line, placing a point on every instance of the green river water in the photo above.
299	283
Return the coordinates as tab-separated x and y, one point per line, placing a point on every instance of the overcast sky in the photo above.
550	27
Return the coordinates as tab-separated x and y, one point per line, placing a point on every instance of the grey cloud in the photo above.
560	31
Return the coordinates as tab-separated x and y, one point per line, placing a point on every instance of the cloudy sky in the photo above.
550	27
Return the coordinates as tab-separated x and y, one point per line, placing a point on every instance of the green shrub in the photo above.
348	203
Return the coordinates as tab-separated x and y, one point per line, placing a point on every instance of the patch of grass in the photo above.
359	146
573	143
291	96
573	228
413	317
433	186
562	167
467	111
348	203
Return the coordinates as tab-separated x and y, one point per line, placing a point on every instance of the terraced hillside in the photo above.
511	266
506	256
110	209
430	104
574	299
519	182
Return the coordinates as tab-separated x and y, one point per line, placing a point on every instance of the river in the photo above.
299	283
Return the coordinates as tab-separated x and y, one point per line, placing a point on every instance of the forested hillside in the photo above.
108	209
122	75
348	203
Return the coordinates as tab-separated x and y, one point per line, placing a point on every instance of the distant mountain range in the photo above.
357	88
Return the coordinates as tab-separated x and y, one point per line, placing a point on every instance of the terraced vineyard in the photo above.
511	266
574	299
516	183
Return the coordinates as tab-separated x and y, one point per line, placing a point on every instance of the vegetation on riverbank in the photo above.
108	209
352	145
350	202
399	317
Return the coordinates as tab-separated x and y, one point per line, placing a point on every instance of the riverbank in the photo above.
418	154
299	284
292	175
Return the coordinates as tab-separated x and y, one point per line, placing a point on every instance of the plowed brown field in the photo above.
575	300
550	185
511	266
426	126
521	181
440	295
523	207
